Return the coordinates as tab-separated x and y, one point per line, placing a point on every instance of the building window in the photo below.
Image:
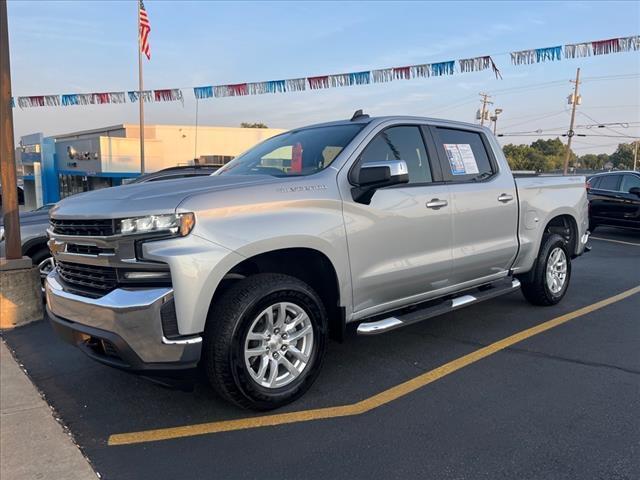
215	159
72	184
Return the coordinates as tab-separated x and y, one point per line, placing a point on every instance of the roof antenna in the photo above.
358	114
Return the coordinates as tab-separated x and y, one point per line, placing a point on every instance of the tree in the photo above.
622	158
253	125
591	161
537	161
525	157
516	155
554	150
549	147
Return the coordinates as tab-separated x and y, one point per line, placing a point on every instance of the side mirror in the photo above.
375	175
635	191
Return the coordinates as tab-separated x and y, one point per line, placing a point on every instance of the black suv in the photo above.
614	200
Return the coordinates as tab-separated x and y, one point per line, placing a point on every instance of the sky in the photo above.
91	46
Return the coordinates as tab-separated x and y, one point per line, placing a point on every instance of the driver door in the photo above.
400	243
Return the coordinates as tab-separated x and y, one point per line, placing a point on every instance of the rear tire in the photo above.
278	316
548	282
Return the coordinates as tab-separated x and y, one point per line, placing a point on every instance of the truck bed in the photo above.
541	198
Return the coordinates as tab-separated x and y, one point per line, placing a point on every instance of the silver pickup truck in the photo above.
363	225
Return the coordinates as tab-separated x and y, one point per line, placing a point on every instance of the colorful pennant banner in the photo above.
476	64
168	95
39	101
134	96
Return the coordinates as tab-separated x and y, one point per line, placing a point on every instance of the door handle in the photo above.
504	198
436	203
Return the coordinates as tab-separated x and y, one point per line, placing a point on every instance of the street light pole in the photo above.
13	250
494	119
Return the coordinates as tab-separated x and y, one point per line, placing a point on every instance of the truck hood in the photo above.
148	198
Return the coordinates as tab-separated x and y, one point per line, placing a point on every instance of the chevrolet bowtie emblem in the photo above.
56	247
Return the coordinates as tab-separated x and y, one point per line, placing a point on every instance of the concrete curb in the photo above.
32	443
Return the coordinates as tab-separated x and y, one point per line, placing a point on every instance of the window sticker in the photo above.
461	158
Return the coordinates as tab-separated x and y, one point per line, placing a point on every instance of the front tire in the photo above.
548	282
265	341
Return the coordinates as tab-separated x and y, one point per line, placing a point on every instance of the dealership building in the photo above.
62	165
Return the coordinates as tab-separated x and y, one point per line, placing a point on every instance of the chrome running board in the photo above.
430	310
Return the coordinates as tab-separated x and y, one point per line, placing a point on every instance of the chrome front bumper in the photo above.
128	319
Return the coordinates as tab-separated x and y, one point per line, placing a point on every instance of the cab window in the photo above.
400	143
465	157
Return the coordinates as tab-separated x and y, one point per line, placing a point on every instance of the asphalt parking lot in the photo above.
498	390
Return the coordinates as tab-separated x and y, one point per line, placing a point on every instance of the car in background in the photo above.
33	234
614	200
20	195
173	173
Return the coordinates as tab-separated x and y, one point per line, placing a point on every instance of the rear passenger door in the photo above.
484	206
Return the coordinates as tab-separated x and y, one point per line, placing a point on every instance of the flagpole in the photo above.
140	94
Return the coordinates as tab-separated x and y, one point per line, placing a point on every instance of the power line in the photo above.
603	125
611	106
597	146
535	119
561	134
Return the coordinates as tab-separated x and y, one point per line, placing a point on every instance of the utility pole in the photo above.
485	102
635	156
9	180
574	99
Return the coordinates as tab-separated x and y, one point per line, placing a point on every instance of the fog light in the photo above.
145	275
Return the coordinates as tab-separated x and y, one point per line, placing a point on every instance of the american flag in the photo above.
145	29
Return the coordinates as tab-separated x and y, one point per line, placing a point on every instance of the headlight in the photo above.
177	224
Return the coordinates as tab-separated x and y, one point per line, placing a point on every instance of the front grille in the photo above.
92	228
94	278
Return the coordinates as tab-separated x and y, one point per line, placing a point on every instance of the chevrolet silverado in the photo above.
364	225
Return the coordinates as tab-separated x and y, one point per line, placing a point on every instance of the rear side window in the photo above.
629	182
609	182
400	143
466	157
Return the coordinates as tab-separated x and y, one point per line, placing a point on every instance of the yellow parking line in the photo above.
615	241
367	404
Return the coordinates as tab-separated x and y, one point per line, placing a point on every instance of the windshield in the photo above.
298	152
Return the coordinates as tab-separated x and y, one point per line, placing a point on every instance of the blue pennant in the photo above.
443	68
203	92
275	86
359	78
550	53
70	99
